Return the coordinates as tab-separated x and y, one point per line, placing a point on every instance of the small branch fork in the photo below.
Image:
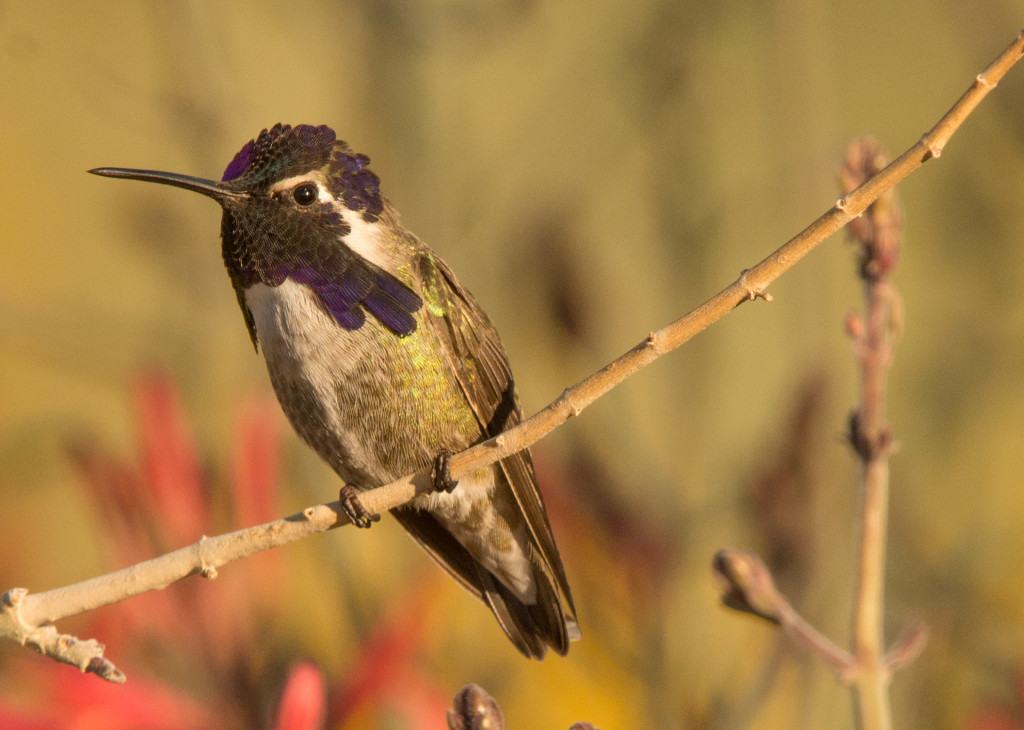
746	585
35	611
745	581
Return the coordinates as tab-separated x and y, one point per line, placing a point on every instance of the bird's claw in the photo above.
441	473
357	514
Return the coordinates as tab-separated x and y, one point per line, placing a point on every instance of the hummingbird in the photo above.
385	365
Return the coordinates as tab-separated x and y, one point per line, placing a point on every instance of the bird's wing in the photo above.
481	367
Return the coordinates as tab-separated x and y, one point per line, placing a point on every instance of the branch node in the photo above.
752	292
571	408
205	569
868	447
13	597
11	602
858	439
307	514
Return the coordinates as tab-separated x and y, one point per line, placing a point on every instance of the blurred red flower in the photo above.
199	654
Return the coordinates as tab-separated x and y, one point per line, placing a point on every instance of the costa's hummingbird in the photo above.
385	364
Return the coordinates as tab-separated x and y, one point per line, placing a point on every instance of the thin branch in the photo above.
209	553
200	558
752	283
878	234
747	586
86	655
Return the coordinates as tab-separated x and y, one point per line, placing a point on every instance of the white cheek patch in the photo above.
364	238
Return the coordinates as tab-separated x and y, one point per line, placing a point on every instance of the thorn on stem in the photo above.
854	326
566	400
205	570
908	647
752	292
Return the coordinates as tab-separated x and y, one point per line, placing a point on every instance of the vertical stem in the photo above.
871	679
878	233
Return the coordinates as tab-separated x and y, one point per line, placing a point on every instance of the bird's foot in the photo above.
441	473
357	514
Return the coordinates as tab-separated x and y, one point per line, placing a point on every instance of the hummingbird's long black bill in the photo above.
209	188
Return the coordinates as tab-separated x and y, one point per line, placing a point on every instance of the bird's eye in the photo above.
306	194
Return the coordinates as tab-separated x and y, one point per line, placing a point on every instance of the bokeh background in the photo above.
592	171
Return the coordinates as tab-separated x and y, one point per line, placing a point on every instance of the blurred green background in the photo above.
592	171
